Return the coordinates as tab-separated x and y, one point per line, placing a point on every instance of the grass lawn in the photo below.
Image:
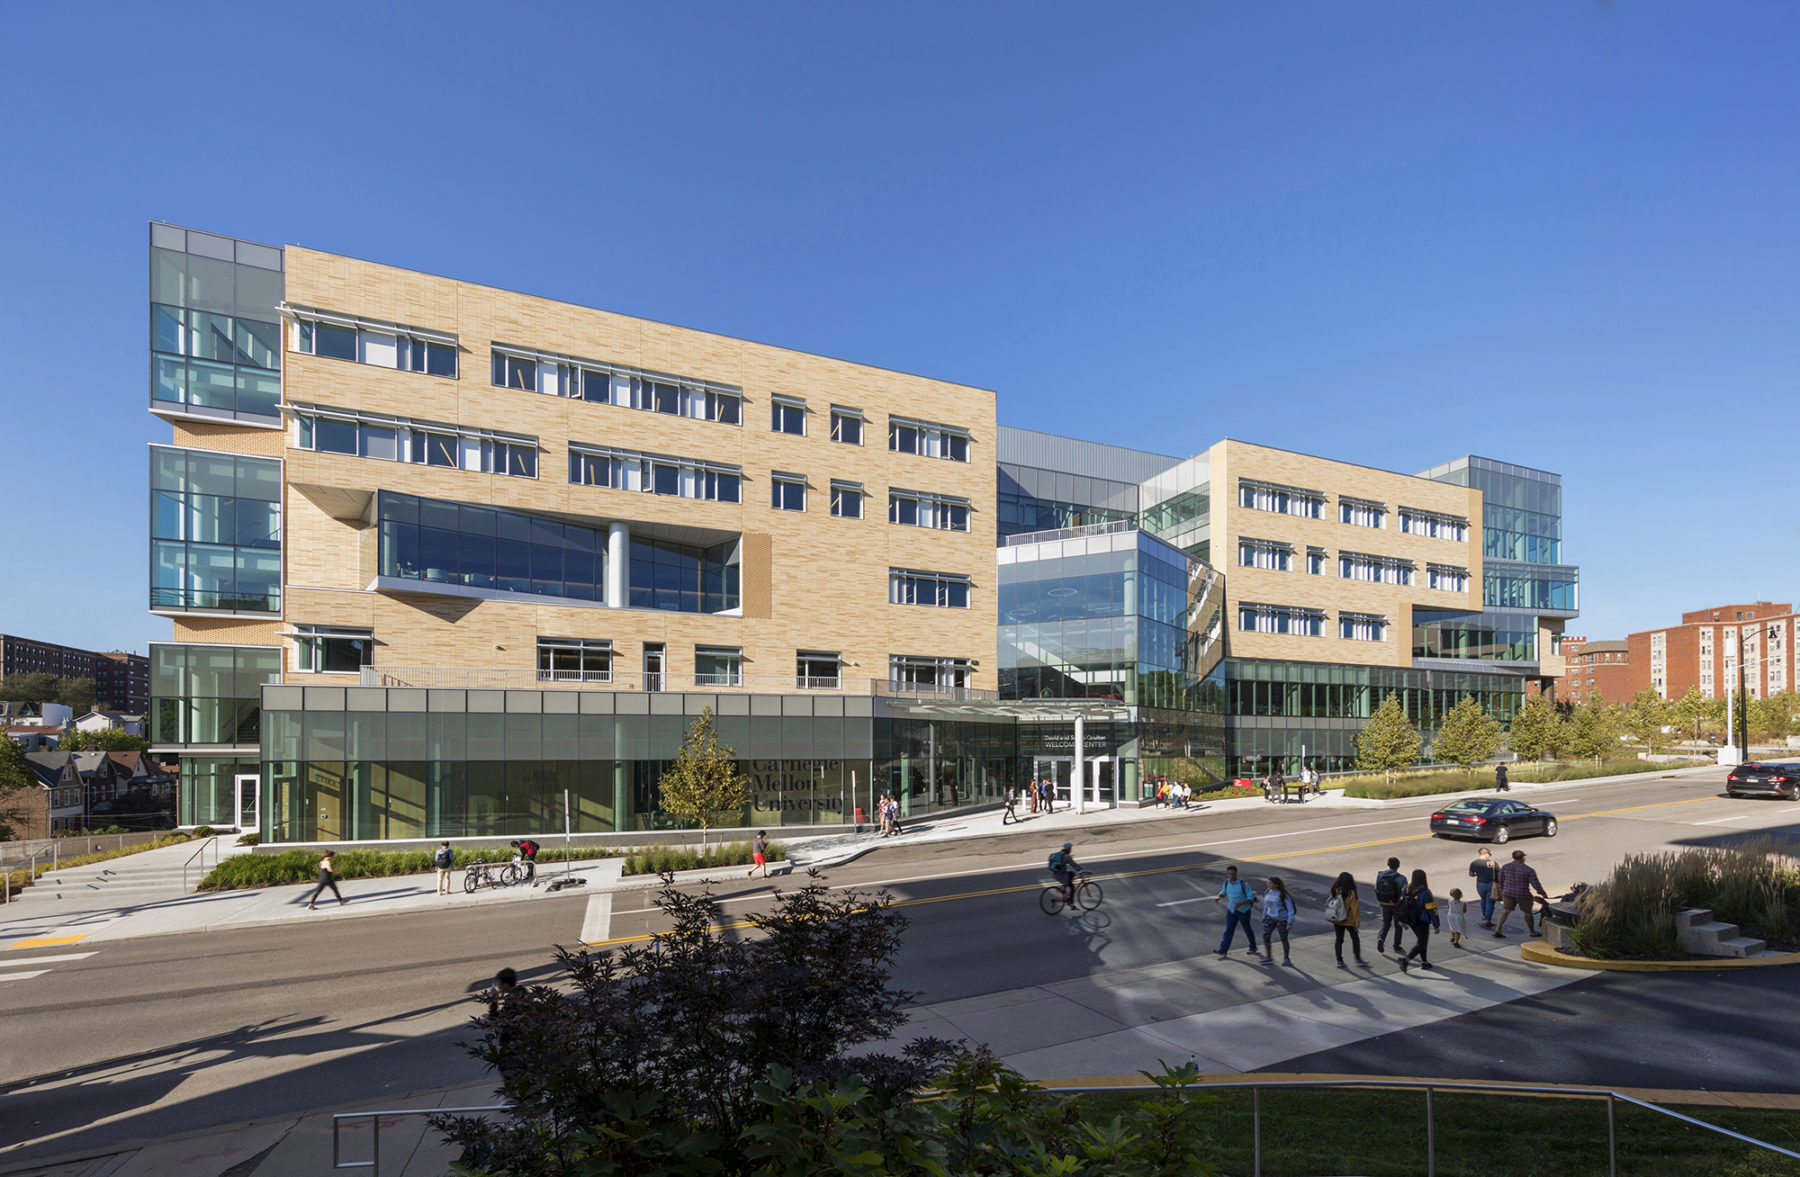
1453	780
1383	1132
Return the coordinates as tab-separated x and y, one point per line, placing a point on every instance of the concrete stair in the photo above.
130	879
1702	935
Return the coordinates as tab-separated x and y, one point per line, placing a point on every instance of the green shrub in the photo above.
1631	916
302	866
658	859
1429	782
204	831
250	840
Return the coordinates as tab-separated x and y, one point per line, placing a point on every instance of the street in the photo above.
153	1037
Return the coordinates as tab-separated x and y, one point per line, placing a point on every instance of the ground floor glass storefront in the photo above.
1283	711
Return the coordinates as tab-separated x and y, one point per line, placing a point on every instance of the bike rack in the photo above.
374	1163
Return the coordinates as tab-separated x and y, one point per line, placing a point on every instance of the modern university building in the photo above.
438	556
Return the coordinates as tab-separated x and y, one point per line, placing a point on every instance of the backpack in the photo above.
528	848
1335	910
1057	862
1406	909
1387	886
443	858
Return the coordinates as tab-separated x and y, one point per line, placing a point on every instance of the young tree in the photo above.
77	693
1467	736
1534	729
1645	720
1689	710
1593	729
1388	741
15	777
704	783
1772	718
29	688
105	740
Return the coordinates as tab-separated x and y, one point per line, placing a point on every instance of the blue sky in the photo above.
1560	235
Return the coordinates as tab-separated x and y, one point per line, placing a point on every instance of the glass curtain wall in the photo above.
215	531
215	336
208	695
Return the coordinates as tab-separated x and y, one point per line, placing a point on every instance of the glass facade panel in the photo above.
215	531
208	695
215	336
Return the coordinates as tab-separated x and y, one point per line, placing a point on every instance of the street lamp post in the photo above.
1743	713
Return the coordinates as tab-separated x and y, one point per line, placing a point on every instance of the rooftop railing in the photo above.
511	678
1086	529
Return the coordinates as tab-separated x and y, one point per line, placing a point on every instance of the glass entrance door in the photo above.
247	802
653	666
1102	779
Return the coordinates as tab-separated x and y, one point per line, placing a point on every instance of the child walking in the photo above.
1459	917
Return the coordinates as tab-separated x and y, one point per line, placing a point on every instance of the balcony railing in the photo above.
504	678
1037	537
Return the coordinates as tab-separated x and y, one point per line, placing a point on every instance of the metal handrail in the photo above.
1611	1097
374	1163
211	842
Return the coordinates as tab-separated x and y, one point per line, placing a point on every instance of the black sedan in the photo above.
1491	820
1756	779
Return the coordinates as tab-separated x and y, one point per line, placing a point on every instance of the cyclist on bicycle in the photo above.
1065	868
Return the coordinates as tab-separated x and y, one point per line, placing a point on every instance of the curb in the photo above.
1538	952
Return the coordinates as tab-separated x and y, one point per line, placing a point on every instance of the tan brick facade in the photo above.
1232	462
810	581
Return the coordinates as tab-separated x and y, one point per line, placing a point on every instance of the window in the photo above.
919	509
1416	522
946	590
816	671
1284	500
788	492
928	439
1362	627
1280	619
574	660
1315	561
1361	512
421	443
846	425
911	673
380	345
1376	569
516	372
718	666
329	649
215	531
1265	554
846	499
688	478
602	383
787	415
1442	576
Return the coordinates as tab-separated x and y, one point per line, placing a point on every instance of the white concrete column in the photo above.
1078	778
618	566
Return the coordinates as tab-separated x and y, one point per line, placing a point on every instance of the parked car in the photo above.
1491	820
1756	779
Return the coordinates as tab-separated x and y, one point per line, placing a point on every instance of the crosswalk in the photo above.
24	968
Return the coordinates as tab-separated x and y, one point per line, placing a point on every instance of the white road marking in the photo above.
48	959
1719	821
1179	902
22	976
596	925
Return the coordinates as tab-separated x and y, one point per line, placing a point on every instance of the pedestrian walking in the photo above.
1517	882
499	1003
1279	914
1343	909
1388	885
328	878
759	854
1418	907
1048	788
1008	814
894	816
1485	872
881	814
444	859
1459	917
1239	901
1500	785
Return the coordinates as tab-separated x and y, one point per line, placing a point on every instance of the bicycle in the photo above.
491	874
1086	894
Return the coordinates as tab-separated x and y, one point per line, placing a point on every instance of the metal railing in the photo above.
511	678
1110	527
373	1164
1612	1098
212	844
27	863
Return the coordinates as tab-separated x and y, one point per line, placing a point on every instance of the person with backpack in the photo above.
1500	785
1279	914
443	860
1388	885
528	851
1009	814
1063	865
1417	907
1239	900
1344	912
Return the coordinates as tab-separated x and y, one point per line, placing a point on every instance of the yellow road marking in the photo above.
48	941
1158	870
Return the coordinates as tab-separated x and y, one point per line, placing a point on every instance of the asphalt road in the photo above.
154	1037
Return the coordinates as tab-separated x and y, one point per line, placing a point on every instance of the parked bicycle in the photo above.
492	874
1086	894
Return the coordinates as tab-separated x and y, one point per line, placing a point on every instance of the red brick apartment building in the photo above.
1702	651
1595	668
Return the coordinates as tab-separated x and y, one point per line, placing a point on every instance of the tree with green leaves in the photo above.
1389	741
1535	733
1772	718
104	740
704	783
1593	729
1645	719
15	778
1467	736
76	693
1689	710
